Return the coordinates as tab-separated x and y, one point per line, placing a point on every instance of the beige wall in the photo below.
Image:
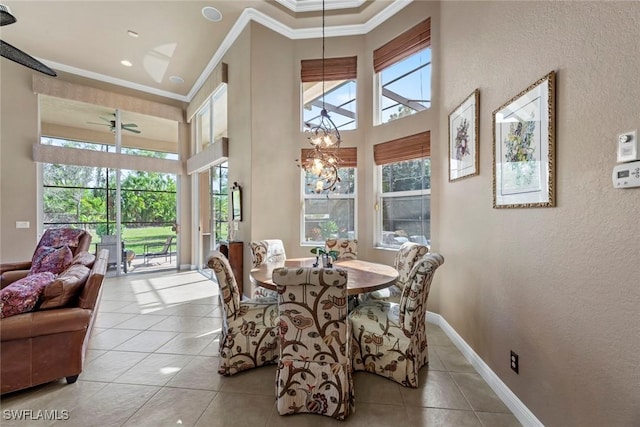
559	286
18	176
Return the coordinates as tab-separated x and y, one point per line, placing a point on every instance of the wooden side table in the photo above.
234	251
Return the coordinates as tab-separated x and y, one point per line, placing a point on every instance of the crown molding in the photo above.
251	14
313	5
245	18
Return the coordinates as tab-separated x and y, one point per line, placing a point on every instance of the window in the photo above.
330	215
403	74
220	200
85	197
339	91
404	169
211	119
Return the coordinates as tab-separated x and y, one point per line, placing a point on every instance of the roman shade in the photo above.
349	156
406	148
334	69
411	41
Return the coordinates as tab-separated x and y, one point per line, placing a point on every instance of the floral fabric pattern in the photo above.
22	295
249	335
389	339
54	260
263	251
408	254
56	237
346	248
314	370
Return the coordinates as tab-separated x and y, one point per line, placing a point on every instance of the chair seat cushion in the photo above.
392	293
22	295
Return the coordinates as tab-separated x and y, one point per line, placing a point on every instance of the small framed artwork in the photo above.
463	138
236	202
524	148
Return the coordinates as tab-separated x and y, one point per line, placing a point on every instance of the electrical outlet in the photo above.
514	362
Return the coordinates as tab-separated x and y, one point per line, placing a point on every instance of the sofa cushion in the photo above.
21	296
54	260
65	288
84	258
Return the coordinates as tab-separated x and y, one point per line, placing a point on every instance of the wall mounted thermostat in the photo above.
626	175
628	150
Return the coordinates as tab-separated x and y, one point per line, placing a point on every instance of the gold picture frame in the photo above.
524	148
464	131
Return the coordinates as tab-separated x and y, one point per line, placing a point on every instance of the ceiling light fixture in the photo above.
126	63
323	160
176	79
133	34
212	14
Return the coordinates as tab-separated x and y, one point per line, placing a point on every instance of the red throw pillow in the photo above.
54	260
22	295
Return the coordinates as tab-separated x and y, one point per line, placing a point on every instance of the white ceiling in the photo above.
89	38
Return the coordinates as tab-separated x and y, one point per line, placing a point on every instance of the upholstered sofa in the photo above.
50	342
77	241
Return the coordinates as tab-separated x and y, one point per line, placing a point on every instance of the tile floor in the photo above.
152	362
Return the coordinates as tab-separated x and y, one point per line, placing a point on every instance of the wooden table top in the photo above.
362	276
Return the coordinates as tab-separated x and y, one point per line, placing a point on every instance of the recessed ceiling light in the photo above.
132	33
212	14
176	79
126	63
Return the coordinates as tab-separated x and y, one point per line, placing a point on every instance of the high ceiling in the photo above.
90	38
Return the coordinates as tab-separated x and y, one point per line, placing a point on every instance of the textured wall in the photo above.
557	285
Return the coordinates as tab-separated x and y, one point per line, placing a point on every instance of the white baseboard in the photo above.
520	411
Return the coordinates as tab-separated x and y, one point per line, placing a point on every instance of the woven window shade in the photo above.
349	156
334	69
406	148
411	41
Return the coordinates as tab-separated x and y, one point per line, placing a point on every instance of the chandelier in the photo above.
323	161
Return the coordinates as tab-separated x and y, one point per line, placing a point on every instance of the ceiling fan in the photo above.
112	125
13	53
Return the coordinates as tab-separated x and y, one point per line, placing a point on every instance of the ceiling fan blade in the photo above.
99	124
130	125
131	130
6	17
106	120
16	55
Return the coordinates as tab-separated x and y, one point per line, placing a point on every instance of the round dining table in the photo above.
362	276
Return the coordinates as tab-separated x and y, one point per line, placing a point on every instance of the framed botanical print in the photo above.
463	138
524	148
236	202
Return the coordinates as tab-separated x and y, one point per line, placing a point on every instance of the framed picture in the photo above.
524	148
236	202
463	138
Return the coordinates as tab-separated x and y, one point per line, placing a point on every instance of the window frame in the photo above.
313	196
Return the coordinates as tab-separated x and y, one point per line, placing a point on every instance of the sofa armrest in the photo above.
8	277
46	322
10	266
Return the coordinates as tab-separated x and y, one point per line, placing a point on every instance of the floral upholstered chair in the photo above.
249	335
346	248
314	370
407	256
390	339
263	251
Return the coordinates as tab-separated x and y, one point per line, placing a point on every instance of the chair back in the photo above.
270	250
167	244
78	240
346	248
413	302
229	293
314	371
408	254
